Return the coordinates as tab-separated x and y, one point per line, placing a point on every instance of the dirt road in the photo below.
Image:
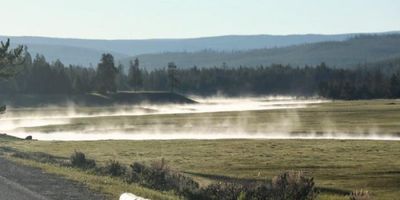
26	183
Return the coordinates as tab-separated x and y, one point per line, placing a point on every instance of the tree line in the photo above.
38	76
8	58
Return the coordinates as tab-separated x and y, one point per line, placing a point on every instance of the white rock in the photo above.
129	196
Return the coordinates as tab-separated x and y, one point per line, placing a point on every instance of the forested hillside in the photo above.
373	80
46	46
349	53
296	50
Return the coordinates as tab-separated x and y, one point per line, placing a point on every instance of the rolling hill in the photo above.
249	50
70	54
351	52
86	51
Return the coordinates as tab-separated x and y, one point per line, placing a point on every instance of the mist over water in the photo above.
211	118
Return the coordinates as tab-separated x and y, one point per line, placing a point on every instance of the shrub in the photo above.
234	191
78	159
221	191
293	185
149	176
182	184
287	186
160	165
261	190
160	177
360	195
113	168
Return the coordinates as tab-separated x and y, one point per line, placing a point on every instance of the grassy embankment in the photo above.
335	164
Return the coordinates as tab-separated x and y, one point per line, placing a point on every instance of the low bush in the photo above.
182	184
160	177
220	191
360	195
287	186
78	159
260	190
294	185
113	168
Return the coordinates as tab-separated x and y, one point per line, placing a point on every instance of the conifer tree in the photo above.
106	75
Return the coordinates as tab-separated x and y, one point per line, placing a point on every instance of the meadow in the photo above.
354	145
270	119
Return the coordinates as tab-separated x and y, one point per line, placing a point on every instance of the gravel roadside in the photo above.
17	181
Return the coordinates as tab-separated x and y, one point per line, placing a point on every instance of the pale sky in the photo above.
140	19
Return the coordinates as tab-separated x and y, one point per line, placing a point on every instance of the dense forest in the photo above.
375	80
341	54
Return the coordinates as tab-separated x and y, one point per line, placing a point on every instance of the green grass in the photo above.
8	138
342	165
111	187
358	117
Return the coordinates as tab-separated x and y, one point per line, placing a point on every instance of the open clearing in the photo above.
335	164
344	165
239	119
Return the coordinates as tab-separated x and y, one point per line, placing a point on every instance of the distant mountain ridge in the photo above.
218	43
341	54
87	52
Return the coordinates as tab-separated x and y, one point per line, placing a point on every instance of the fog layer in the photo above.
212	118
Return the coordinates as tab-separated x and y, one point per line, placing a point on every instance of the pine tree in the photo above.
172	79
8	60
135	75
121	78
106	75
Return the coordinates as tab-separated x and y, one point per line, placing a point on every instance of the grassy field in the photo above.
378	117
343	165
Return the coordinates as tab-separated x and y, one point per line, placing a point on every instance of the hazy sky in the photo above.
131	19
